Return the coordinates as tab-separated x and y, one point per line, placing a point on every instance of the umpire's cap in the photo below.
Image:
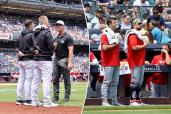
60	22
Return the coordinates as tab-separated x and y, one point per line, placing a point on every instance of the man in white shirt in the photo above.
141	3
144	7
126	22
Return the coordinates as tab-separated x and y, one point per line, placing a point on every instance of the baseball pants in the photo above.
110	81
57	71
43	71
159	90
137	76
26	69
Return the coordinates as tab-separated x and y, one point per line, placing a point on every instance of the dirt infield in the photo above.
12	108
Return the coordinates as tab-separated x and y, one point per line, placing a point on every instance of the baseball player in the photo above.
110	61
43	45
25	63
62	61
136	51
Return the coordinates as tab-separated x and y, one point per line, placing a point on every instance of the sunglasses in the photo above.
139	23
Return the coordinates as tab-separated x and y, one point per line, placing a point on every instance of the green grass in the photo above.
78	90
130	112
155	109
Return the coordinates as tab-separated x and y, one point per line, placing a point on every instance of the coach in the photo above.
62	61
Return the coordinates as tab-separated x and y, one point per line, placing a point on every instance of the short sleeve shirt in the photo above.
157	77
110	57
135	58
63	42
160	19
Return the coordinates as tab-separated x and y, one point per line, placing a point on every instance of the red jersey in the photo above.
92	57
110	57
157	77
135	58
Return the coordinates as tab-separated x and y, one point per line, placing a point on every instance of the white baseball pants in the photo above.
43	70
26	69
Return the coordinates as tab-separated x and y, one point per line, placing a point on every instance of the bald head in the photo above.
43	20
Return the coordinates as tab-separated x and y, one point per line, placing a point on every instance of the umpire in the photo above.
62	61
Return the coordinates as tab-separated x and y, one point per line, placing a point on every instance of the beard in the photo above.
139	29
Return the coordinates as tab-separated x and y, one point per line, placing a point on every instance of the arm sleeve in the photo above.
132	40
162	21
91	56
49	39
17	44
153	61
104	40
93	59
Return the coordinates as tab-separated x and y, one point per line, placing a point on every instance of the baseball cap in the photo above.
144	22
60	22
87	5
99	11
27	21
135	21
113	16
111	6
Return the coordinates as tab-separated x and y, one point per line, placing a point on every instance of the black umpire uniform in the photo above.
60	65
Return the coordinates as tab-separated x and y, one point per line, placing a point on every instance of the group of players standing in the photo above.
36	47
135	47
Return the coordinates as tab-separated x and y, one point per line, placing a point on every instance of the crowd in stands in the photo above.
81	69
97	14
8	63
57	1
132	2
67	1
12	24
77	33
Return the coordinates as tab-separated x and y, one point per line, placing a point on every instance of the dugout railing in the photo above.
152	50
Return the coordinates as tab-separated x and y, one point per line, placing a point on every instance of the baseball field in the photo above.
151	109
74	106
